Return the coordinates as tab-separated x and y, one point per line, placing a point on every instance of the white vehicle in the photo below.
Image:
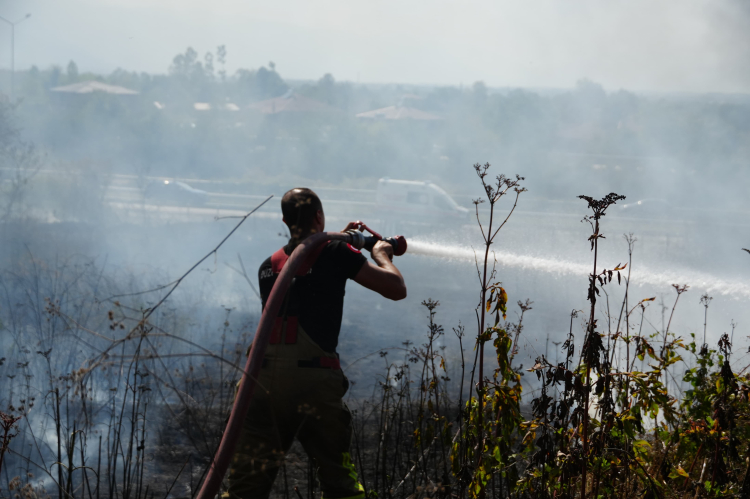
412	199
174	192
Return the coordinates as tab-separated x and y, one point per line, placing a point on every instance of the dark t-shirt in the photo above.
317	298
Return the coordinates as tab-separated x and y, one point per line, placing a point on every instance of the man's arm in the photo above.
385	278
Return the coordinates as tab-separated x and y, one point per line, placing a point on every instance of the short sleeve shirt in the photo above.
317	298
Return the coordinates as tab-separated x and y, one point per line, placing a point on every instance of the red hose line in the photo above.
255	360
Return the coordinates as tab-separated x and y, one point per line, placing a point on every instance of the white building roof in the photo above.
91	86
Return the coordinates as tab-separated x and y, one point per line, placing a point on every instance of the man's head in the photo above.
303	212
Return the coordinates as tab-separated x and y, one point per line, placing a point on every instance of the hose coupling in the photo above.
357	239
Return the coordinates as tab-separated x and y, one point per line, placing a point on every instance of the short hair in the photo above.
299	207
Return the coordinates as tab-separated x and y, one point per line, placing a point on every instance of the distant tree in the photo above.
194	78
72	76
329	91
269	83
19	163
261	84
33	85
186	65
54	76
479	93
129	79
209	63
589	98
221	58
580	111
590	89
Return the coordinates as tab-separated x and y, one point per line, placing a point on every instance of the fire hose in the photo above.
254	362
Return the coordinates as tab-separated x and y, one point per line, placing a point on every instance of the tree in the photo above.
72	72
327	89
479	93
221	58
209	63
19	162
182	64
261	84
194	78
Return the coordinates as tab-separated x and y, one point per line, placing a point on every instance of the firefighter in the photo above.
301	386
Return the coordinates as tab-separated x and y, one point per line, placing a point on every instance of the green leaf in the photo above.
641	446
678	472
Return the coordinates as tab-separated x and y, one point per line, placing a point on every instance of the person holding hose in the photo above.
301	386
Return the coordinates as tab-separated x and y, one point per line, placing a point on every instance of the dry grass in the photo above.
111	399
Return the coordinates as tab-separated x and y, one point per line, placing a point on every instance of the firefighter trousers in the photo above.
295	397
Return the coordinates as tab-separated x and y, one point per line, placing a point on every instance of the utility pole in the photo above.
13	51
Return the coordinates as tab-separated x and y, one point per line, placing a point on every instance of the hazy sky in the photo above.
684	45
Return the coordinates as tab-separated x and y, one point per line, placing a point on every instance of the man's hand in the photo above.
382	250
353	226
385	278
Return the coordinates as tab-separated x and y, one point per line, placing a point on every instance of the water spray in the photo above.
735	288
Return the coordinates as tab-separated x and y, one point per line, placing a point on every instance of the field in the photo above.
110	390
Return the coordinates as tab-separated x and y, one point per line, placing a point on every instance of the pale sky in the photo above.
641	45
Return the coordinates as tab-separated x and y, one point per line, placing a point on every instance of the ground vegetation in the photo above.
106	393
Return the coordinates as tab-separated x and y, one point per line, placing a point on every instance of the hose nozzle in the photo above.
398	243
360	241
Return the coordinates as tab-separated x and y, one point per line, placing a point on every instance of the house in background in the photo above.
398	113
290	102
93	86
